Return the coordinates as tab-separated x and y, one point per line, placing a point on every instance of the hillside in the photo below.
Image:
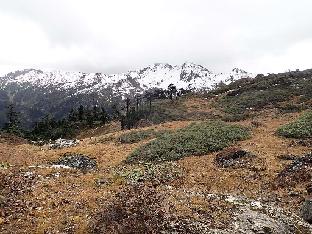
37	93
221	162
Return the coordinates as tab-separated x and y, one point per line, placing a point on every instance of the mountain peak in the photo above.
21	72
238	70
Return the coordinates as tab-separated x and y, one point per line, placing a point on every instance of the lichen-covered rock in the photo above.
78	161
234	157
251	221
63	143
299	171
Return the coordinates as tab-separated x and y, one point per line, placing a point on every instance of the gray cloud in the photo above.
114	36
62	24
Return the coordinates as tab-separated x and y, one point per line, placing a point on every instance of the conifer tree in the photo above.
127	105
89	118
103	116
122	122
72	116
81	113
95	113
12	126
149	101
115	111
172	90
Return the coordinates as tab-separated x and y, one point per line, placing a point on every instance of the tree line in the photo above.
129	112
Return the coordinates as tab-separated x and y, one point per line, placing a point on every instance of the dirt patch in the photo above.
135	209
11	139
14	207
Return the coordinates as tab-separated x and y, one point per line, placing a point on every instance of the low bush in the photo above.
196	139
252	100
137	136
266	91
301	128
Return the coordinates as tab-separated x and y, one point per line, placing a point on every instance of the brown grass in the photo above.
66	200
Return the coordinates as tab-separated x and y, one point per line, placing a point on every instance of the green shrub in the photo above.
301	128
291	108
137	136
252	100
196	139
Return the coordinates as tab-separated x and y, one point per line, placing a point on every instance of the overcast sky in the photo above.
117	35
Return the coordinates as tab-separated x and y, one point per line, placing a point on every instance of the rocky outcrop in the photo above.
232	157
77	161
63	143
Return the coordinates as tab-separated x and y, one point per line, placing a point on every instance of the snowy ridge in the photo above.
159	75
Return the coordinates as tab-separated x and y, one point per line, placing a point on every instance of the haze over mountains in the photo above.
37	93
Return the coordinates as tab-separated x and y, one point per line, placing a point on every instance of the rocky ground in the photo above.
257	186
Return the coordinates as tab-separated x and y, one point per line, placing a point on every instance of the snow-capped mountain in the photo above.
36	92
159	75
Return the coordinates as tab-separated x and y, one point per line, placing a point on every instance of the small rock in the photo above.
306	210
256	204
60	167
256	124
102	182
2	199
1	221
309	189
294	194
287	157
